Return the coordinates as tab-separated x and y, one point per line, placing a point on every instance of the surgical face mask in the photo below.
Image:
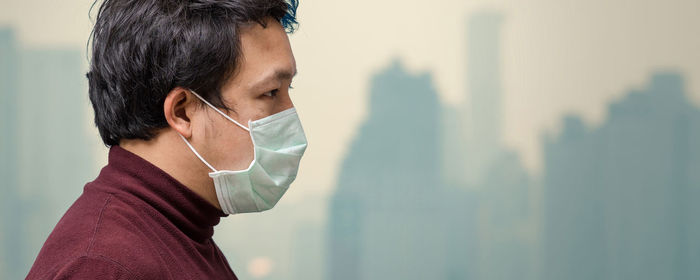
279	142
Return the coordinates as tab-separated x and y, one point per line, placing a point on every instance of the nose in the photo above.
284	101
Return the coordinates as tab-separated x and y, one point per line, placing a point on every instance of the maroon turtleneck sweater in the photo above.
134	222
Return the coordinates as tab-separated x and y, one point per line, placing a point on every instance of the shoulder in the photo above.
100	236
125	235
94	267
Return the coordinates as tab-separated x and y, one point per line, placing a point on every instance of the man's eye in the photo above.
271	93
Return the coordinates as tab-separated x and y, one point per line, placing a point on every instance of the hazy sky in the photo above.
559	57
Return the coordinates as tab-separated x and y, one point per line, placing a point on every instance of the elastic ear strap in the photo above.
196	153
219	111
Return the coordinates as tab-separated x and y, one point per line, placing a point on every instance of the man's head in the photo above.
149	56
143	49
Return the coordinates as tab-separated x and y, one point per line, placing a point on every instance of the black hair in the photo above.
142	49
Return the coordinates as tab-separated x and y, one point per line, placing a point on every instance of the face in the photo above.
259	88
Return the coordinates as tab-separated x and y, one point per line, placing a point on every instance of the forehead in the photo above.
264	50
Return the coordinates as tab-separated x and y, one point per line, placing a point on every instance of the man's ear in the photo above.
179	107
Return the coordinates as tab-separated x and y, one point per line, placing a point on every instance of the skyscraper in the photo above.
55	156
485	89
390	215
45	157
620	197
573	223
473	129
11	251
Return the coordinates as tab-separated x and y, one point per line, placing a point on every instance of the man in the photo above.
192	97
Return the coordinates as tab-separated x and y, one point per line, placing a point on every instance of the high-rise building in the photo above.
484	86
619	198
391	217
45	156
55	156
11	216
506	226
573	225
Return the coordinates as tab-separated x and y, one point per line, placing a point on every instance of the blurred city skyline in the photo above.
441	197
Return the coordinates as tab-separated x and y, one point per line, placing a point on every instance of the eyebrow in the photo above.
279	74
285	75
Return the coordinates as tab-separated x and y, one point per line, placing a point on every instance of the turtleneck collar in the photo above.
128	174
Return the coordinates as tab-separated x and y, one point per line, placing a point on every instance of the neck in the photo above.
169	153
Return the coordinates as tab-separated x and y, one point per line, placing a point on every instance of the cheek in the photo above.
218	136
205	137
230	146
256	108
262	110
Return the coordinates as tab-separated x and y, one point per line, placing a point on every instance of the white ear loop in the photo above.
217	110
196	153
